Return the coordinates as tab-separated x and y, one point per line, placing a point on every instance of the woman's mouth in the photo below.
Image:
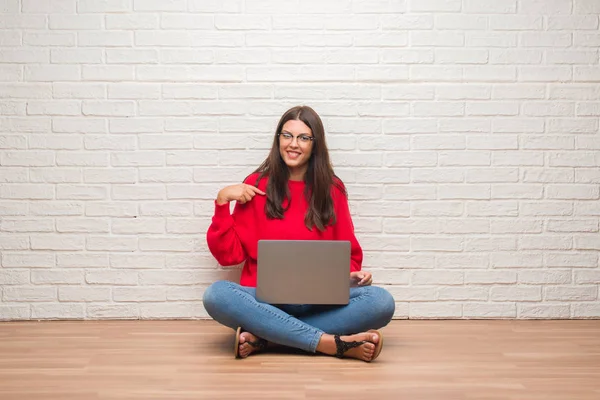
293	155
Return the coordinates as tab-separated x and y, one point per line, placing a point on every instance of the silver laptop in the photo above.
303	272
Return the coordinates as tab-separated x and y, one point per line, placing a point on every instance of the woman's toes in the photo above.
369	351
244	349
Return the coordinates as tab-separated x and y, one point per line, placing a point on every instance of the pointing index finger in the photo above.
256	190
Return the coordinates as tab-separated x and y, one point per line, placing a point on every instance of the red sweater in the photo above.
233	238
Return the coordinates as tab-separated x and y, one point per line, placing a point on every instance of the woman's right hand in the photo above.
242	193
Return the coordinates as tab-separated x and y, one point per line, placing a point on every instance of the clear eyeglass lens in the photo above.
301	138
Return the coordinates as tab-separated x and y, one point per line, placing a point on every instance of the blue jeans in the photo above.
298	326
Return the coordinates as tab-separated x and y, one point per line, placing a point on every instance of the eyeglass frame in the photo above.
298	138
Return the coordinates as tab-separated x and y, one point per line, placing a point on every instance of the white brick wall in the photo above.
466	131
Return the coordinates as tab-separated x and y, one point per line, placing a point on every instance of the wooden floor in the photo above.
441	360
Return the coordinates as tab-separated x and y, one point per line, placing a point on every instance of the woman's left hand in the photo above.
361	278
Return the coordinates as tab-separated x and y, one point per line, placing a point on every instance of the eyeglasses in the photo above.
288	137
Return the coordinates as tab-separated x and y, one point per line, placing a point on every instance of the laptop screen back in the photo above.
303	272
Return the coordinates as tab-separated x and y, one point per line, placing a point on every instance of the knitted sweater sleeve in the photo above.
344	228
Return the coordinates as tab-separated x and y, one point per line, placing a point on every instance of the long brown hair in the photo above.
319	176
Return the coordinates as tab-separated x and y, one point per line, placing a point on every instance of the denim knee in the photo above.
214	296
384	304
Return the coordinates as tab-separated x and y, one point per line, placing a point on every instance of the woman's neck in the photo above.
297	175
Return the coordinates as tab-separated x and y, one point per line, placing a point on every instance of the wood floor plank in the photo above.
463	360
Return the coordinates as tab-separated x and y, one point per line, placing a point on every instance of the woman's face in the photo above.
295	147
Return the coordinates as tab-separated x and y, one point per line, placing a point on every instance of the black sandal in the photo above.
342	346
258	345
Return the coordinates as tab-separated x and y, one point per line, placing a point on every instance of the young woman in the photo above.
293	195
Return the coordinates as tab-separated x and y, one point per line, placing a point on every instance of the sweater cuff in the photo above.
222	216
222	210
